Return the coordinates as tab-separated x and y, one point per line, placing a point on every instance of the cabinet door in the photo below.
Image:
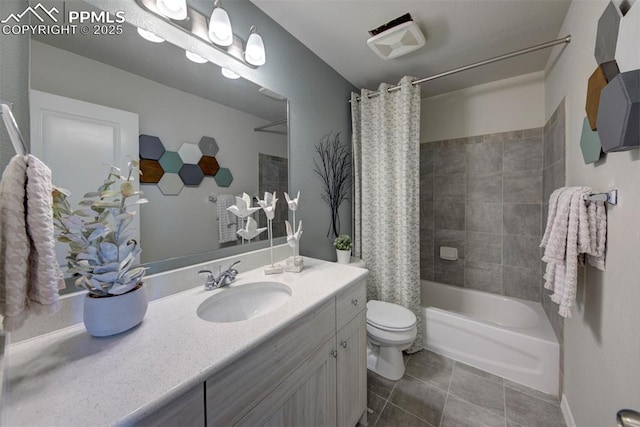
352	370
306	398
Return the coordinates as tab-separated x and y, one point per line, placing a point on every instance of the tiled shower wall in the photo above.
483	196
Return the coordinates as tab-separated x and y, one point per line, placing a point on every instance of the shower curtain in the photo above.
386	158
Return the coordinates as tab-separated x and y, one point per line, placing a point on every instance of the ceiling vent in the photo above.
396	38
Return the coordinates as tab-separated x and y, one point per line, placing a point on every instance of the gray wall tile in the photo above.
553	177
528	133
524	154
486	217
503	136
449	159
554	142
426	187
521	251
449	187
449	272
426	159
483	276
523	187
522	219
484	158
521	283
484	247
449	215
451	238
426	215
484	188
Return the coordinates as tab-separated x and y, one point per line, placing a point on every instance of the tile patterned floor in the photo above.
439	392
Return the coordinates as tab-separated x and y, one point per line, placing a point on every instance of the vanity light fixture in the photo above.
195	57
230	74
149	36
220	31
173	9
254	52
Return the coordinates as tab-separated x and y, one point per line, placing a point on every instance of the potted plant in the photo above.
102	252
343	246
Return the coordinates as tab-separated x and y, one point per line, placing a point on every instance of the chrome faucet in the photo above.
225	278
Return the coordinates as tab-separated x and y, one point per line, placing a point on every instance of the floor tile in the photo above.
419	398
432	368
477	390
376	404
531	412
379	385
393	416
479	372
531	392
459	413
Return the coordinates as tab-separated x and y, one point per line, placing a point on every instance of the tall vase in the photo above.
111	315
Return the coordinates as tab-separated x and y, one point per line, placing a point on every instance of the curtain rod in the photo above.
541	46
270	125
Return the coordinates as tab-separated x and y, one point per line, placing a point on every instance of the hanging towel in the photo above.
227	222
575	228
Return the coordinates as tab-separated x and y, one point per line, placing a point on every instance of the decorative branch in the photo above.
334	168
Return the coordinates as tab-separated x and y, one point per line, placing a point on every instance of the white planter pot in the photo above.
104	316
344	257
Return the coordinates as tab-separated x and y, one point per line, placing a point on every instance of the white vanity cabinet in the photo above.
312	373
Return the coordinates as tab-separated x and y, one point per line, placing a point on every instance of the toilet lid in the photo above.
390	317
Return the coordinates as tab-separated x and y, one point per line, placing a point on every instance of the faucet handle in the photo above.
233	265
205	273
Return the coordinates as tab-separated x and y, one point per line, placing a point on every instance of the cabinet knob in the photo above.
354	301
334	353
343	344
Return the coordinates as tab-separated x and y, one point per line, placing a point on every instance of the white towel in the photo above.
574	228
227	222
29	274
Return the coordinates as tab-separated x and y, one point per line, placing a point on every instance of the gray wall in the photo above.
483	196
14	79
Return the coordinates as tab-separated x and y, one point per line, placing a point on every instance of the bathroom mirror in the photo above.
179	102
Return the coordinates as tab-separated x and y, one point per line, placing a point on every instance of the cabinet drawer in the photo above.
350	302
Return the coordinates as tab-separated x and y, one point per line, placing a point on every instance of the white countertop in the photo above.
70	378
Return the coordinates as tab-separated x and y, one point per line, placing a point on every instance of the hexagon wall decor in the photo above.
619	112
607	36
208	146
170	184
223	177
171	161
597	82
209	165
150	147
191	174
190	153
590	143
627	50
151	170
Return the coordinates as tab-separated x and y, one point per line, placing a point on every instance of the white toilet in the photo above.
391	329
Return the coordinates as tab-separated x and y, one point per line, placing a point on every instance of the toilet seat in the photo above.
389	317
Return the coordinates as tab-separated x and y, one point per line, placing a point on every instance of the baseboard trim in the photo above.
566	412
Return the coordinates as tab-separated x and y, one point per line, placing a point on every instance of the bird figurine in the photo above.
242	208
293	238
293	203
268	205
251	230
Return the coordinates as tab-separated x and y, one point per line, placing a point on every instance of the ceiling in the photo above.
457	32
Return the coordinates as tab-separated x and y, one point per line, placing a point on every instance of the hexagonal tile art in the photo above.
627	53
150	147
190	153
191	174
590	143
597	82
209	165
171	161
208	146
607	36
151	170
171	184
618	112
223	177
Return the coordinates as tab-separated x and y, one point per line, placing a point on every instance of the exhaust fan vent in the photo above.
397	40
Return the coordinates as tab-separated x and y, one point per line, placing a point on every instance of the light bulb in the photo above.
254	53
220	27
174	9
230	74
195	57
149	36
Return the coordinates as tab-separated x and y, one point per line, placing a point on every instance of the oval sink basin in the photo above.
244	302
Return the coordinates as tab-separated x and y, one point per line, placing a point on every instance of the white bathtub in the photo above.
508	337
